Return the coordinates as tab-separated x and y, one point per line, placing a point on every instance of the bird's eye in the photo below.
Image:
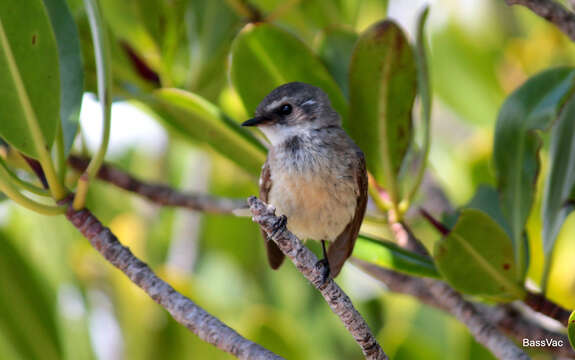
285	109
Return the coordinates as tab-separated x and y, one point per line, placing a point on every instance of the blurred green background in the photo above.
59	299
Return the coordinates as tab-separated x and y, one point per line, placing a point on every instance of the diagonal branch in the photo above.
551	11
481	328
160	194
506	318
305	261
182	309
167	196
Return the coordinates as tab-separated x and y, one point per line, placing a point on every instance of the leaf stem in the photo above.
56	187
61	156
101	50
425	98
374	191
8	188
17	182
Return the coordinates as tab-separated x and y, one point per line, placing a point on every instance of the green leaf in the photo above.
198	119
30	88
211	26
334	47
383	84
424	91
571	329
486	199
534	106
389	255
265	56
127	21
27	310
476	258
71	68
561	181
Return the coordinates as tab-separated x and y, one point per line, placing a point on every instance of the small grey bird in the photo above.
314	174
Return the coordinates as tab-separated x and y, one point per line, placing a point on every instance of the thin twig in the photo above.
182	309
552	12
506	318
305	261
160	194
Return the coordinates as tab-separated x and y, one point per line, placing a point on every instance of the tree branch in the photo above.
552	12
167	196
485	333
541	304
305	261
160	194
182	309
506	318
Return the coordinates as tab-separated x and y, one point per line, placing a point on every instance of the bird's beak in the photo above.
258	120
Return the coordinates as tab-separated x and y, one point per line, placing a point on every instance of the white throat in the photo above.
277	134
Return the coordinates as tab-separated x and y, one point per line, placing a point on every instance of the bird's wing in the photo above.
342	247
275	255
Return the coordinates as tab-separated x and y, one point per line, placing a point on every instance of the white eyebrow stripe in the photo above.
309	102
276	103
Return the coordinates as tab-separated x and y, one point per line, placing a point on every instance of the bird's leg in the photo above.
323	264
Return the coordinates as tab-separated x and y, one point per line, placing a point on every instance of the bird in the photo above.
314	174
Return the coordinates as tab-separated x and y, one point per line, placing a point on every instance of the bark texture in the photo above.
307	263
551	11
182	309
158	193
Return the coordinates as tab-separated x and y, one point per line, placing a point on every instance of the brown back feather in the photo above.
275	255
342	247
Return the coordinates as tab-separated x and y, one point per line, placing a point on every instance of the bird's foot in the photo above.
279	225
323	266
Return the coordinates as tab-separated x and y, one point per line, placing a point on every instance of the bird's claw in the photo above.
323	266
279	225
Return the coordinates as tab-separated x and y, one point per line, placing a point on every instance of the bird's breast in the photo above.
318	199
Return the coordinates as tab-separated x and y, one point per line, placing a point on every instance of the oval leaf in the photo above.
71	68
334	47
476	258
561	181
201	120
383	84
391	256
264	57
30	88
534	106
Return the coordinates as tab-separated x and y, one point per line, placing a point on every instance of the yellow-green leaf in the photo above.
71	68
389	255
198	119
30	90
265	56
531	108
383	84
476	258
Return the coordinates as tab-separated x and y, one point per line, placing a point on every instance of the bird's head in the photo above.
293	109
